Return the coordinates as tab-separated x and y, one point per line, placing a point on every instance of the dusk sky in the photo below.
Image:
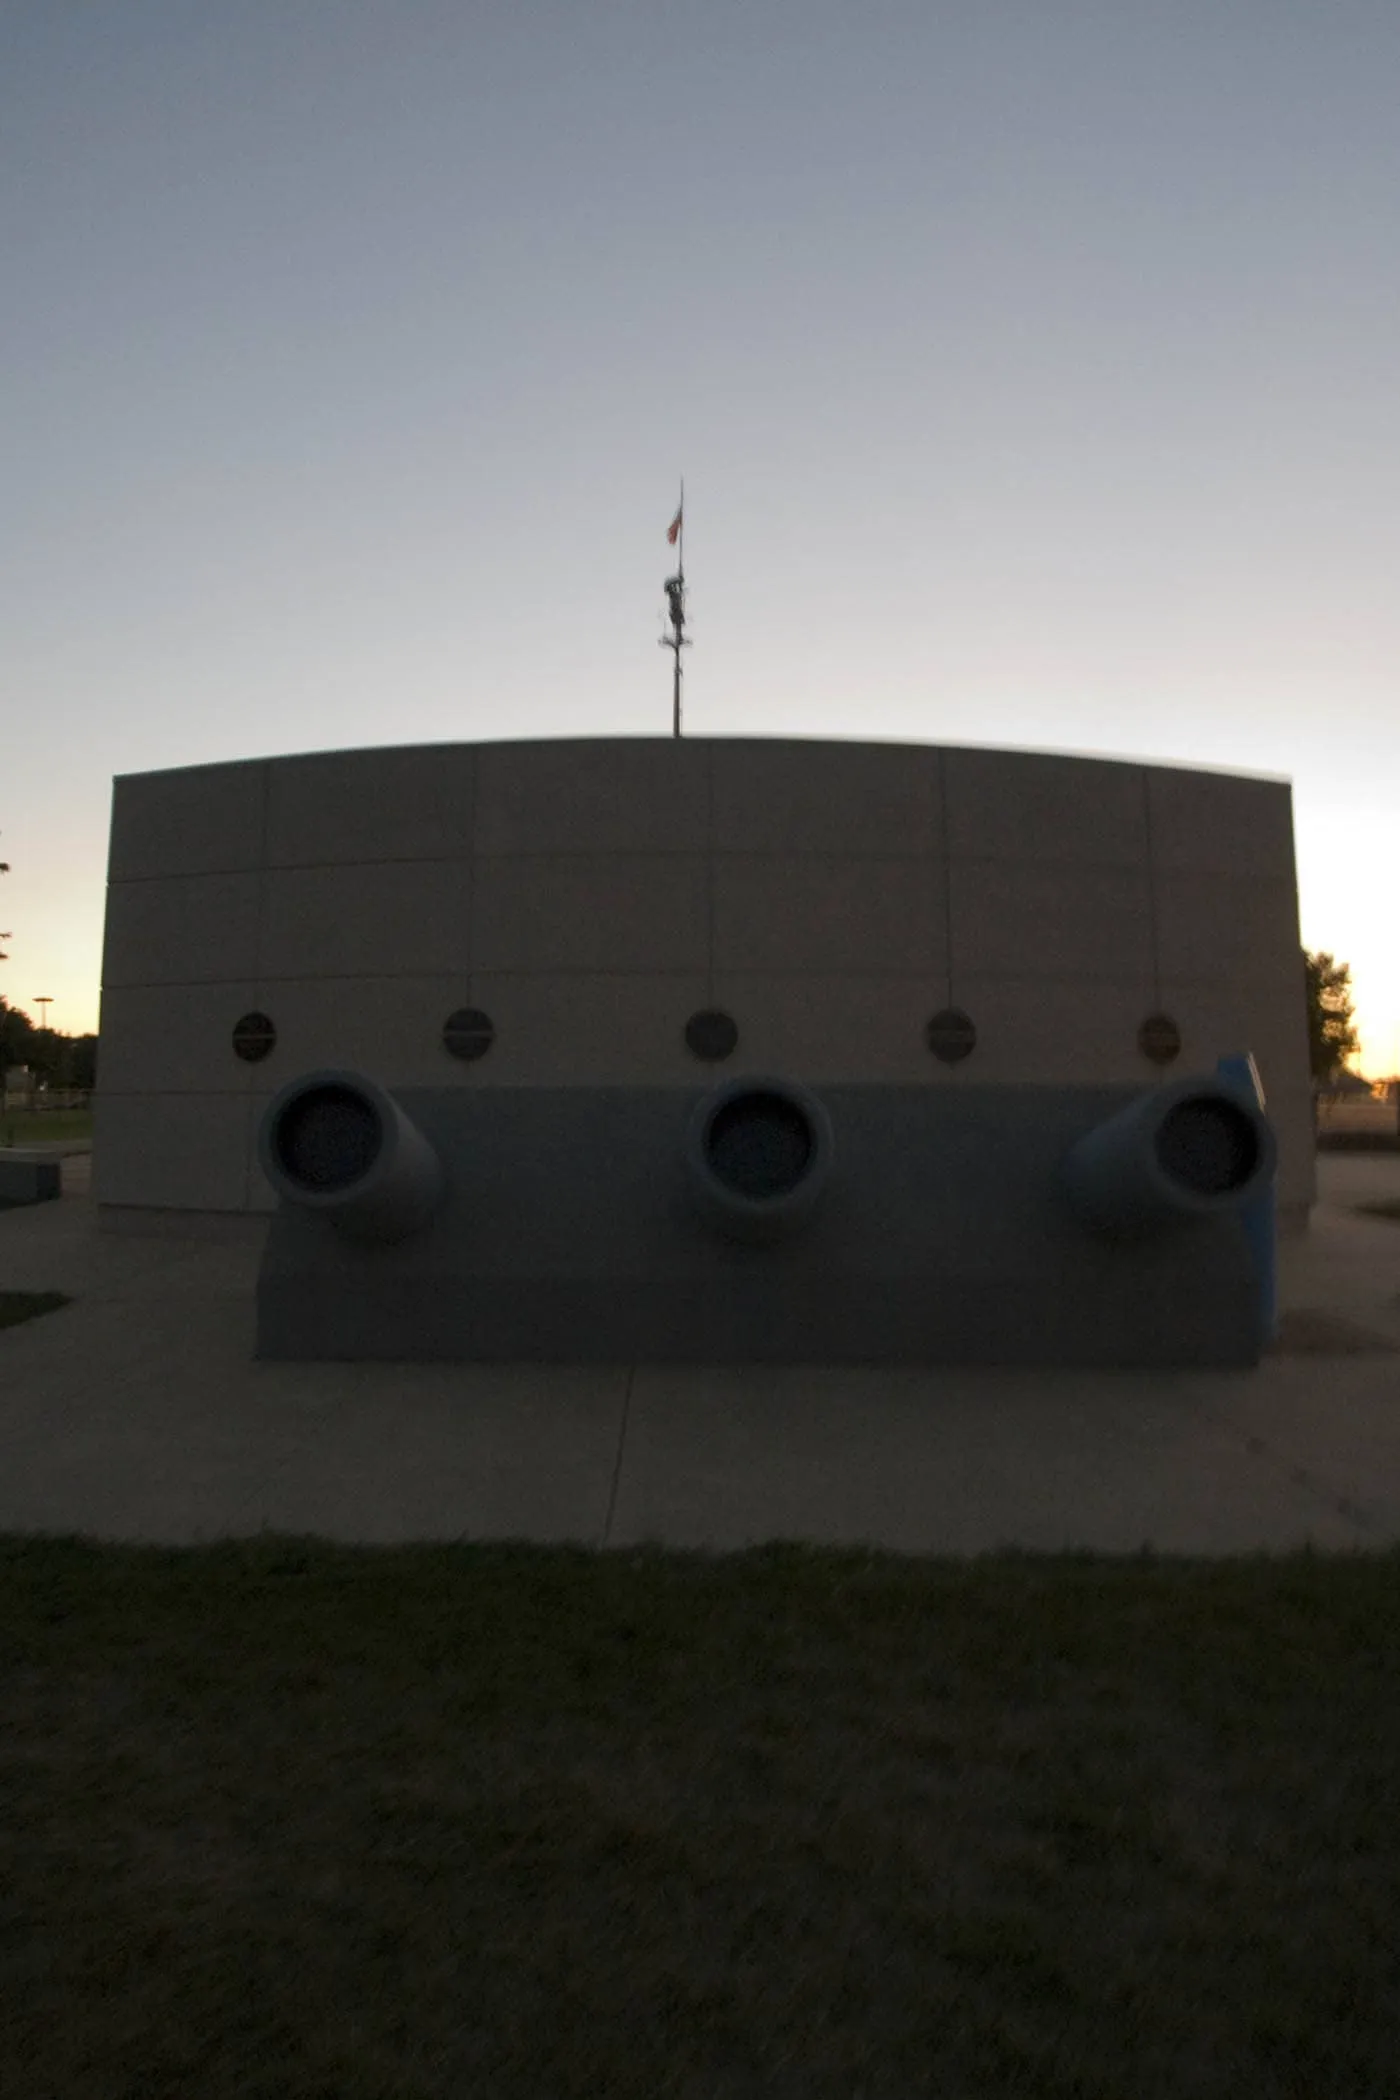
1034	370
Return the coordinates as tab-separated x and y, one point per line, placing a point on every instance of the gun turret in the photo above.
1195	1149
758	1153
339	1144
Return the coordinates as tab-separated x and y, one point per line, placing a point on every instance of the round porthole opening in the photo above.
711	1035
254	1037
951	1035
468	1033
1159	1039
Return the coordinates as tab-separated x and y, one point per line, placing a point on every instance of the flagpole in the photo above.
677	641
680	571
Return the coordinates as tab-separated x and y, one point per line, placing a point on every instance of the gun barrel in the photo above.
338	1143
758	1153
1195	1149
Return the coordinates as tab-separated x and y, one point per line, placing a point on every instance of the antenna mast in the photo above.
677	639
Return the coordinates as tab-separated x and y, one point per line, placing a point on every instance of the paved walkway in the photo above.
138	1412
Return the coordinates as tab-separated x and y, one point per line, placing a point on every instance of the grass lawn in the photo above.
291	1821
44	1126
16	1306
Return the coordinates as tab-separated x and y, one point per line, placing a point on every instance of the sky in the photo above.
1033	367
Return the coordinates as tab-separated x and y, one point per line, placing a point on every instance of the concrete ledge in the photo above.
28	1177
225	1228
49	1148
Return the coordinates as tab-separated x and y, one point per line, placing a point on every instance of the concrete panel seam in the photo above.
176	1093
910	973
947	859
474	794
376	860
1152	930
259	956
616	1481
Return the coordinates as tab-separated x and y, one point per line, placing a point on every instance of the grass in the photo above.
293	1821
45	1126
16	1306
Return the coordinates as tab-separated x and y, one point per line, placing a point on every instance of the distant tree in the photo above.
45	1056
16	1034
78	1065
1331	1037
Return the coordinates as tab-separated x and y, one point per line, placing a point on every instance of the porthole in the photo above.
254	1038
711	1035
1159	1039
951	1035
468	1033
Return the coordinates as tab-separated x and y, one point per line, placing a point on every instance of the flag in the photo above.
674	533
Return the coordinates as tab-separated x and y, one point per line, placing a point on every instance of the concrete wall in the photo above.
591	895
567	1232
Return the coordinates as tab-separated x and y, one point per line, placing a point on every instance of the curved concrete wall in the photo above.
591	895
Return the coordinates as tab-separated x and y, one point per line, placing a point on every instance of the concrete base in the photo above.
569	1235
27	1177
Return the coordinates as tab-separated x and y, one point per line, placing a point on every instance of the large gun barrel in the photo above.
1195	1149
338	1143
759	1154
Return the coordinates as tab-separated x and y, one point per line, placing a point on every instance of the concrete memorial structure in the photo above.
713	1049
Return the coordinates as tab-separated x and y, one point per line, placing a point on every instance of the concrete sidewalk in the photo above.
138	1412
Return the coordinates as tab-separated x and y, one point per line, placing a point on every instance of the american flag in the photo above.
674	533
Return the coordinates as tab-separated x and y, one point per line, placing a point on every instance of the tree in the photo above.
77	1065
1331	1037
44	1056
16	1034
64	1061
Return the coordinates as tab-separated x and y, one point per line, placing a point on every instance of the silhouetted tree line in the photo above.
61	1061
1332	1040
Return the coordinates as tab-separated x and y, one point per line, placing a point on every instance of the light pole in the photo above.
43	1000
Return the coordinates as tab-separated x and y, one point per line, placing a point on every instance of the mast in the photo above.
677	639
